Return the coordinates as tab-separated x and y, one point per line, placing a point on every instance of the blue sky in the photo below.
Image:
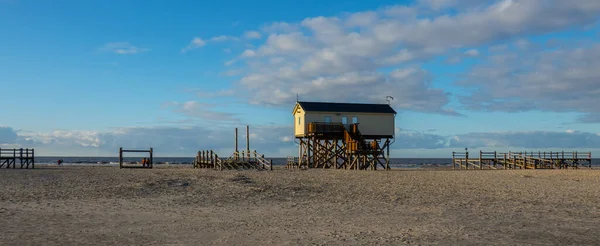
85	77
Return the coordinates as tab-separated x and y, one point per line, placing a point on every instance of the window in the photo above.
354	119
327	119
345	120
299	117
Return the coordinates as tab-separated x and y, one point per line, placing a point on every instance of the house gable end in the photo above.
297	109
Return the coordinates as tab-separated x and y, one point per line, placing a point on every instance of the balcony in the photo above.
325	129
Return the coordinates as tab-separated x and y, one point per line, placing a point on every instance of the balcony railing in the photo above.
325	127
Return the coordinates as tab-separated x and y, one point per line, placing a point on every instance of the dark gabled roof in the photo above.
346	107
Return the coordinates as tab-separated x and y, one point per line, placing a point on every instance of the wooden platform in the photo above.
237	161
9	157
522	160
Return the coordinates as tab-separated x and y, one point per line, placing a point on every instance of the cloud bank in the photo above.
270	140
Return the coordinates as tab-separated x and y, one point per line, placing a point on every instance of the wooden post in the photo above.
33	158
467	160
514	163
495	159
248	141
562	158
198	159
151	157
22	158
300	147
236	145
120	157
271	164
505	164
453	161
576	160
212	158
221	163
480	159
216	159
387	161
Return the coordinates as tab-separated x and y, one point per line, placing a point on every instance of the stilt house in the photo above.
343	135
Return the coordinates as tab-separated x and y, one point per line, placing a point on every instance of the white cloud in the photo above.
557	80
122	48
224	38
252	35
166	140
62	137
194	44
286	43
362	19
230	62
472	53
280	27
203	111
369	44
437	4
248	53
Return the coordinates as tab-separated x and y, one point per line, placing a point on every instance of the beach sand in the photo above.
185	206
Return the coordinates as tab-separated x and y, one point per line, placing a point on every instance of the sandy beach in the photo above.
185	206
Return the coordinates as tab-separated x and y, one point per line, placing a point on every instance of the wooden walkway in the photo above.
522	160
237	161
9	157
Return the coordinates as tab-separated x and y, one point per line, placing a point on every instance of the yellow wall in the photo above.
369	123
299	116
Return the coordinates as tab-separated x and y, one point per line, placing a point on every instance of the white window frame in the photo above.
327	117
354	119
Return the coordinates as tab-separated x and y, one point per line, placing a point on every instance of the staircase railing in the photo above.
356	135
260	160
218	163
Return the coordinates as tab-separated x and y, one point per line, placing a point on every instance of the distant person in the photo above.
60	161
144	162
